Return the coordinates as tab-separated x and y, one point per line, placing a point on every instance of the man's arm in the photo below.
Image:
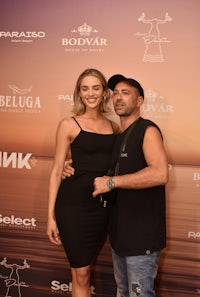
155	174
68	170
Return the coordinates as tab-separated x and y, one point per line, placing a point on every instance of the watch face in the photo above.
110	183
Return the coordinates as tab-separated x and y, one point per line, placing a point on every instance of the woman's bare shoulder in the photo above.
67	121
66	124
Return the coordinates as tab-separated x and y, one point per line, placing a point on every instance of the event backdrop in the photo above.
44	46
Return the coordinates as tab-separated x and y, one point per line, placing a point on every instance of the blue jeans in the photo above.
135	275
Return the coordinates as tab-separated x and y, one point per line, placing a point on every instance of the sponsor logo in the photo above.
17	222
61	288
87	40
193	234
152	38
196	178
155	105
66	98
23	37
13	279
17	160
20	102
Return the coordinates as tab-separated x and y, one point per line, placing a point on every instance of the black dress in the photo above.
81	219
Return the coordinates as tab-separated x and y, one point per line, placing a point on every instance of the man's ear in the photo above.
140	100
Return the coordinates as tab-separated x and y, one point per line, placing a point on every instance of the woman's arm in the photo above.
63	140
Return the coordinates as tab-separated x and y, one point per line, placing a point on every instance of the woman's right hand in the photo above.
52	231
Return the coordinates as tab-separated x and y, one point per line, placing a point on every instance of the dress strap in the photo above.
77	122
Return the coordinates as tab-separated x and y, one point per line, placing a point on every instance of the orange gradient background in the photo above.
42	70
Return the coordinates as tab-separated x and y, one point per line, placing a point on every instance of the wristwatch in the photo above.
111	183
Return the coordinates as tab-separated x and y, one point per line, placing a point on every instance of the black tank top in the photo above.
137	224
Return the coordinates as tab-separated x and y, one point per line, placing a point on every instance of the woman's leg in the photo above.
81	282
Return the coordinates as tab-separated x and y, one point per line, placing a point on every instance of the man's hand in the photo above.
68	170
100	185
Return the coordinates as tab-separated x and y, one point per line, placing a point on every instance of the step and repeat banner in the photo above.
44	46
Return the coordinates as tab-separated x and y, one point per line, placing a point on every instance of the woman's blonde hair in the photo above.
79	107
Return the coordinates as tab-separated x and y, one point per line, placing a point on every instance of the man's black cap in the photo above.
115	79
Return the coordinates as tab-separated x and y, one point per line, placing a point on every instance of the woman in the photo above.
80	219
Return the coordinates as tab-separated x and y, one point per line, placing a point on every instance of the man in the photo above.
137	228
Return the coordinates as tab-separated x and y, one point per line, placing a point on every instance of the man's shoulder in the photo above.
146	122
